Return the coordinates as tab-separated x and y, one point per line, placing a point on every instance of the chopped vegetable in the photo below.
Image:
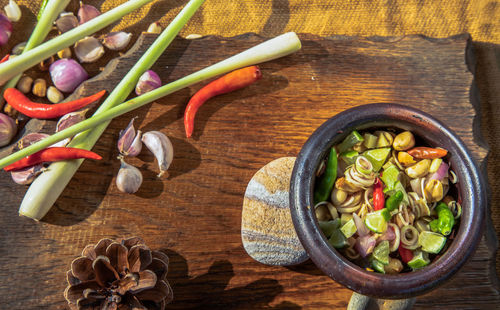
406	254
423	152
381	252
327	227
337	239
46	111
377	157
392	203
420	259
325	184
431	242
390	176
445	221
370	141
378	195
353	138
230	82
377	221
378	265
349	228
52	154
349	157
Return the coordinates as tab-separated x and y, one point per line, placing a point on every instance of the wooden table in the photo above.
194	215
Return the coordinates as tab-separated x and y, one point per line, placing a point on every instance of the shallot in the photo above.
67	74
8	129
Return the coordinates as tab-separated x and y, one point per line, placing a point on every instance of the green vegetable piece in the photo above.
353	138
377	157
349	157
327	227
392	203
397	187
42	8
326	181
344	218
431	242
377	221
378	266
420	260
445	220
381	252
349	228
390	176
370	141
338	240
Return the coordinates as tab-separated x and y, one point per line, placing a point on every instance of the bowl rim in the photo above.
332	262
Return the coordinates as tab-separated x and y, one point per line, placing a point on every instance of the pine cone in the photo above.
119	275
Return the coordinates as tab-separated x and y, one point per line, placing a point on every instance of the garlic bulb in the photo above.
161	147
88	50
129	178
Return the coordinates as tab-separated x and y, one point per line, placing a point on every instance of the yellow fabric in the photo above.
436	18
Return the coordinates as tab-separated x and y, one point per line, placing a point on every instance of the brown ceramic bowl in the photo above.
471	189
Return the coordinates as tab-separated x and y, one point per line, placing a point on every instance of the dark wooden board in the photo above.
194	215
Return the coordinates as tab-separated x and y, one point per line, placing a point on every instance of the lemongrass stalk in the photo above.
11	68
46	189
42	195
42	29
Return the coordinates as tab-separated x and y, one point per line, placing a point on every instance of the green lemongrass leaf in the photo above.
51	10
48	186
42	194
11	68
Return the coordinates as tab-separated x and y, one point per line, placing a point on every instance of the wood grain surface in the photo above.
194	215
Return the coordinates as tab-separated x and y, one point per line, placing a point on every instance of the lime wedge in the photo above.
381	252
349	228
431	242
327	227
377	221
337	239
378	266
377	157
420	259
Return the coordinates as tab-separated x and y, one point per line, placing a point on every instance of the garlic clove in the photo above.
129	178
117	41
19	48
161	147
154	28
8	129
88	50
136	146
126	137
87	12
148	81
66	22
5	29
13	11
26	175
69	120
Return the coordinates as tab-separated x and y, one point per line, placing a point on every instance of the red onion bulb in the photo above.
67	74
8	129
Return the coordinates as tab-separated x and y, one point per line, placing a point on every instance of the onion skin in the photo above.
8	129
67	74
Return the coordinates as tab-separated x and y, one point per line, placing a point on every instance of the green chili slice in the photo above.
392	203
445	221
325	184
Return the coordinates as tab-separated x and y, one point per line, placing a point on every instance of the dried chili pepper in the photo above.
5	58
52	154
378	195
228	83
46	111
427	152
406	255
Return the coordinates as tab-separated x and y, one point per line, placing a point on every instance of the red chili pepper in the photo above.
406	255
427	152
5	58
52	154
46	111
378	195
228	83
